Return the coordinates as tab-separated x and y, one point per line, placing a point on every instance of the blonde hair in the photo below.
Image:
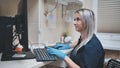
88	25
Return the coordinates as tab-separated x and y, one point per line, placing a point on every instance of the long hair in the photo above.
88	25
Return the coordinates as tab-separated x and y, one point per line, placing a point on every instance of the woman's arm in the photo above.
73	44
70	63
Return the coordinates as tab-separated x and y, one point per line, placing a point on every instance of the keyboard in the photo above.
42	55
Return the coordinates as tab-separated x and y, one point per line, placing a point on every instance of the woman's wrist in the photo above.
70	63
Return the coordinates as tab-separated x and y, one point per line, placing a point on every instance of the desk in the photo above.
27	63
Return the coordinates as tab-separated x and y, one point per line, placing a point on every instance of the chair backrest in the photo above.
113	64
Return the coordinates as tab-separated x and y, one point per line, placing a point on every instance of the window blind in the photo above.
108	16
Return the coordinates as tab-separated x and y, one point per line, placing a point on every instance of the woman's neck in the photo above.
83	36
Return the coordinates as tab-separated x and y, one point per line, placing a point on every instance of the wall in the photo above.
87	4
0	9
8	7
39	31
33	21
112	54
47	34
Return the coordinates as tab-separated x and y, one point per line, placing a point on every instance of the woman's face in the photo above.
77	22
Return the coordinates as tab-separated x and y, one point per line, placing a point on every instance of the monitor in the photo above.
6	24
9	34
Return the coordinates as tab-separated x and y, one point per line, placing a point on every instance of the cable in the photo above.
54	7
50	10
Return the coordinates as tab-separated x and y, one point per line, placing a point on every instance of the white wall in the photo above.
41	33
33	21
8	7
87	4
47	34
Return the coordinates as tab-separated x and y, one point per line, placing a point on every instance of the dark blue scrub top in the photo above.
89	56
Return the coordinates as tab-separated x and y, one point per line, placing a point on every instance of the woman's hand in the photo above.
61	46
56	52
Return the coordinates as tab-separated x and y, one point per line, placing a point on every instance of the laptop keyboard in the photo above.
42	55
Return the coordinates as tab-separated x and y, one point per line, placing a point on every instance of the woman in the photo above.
88	51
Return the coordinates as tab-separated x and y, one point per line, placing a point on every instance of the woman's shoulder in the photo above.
94	43
93	40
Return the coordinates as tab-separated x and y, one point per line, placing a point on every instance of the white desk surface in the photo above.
27	63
